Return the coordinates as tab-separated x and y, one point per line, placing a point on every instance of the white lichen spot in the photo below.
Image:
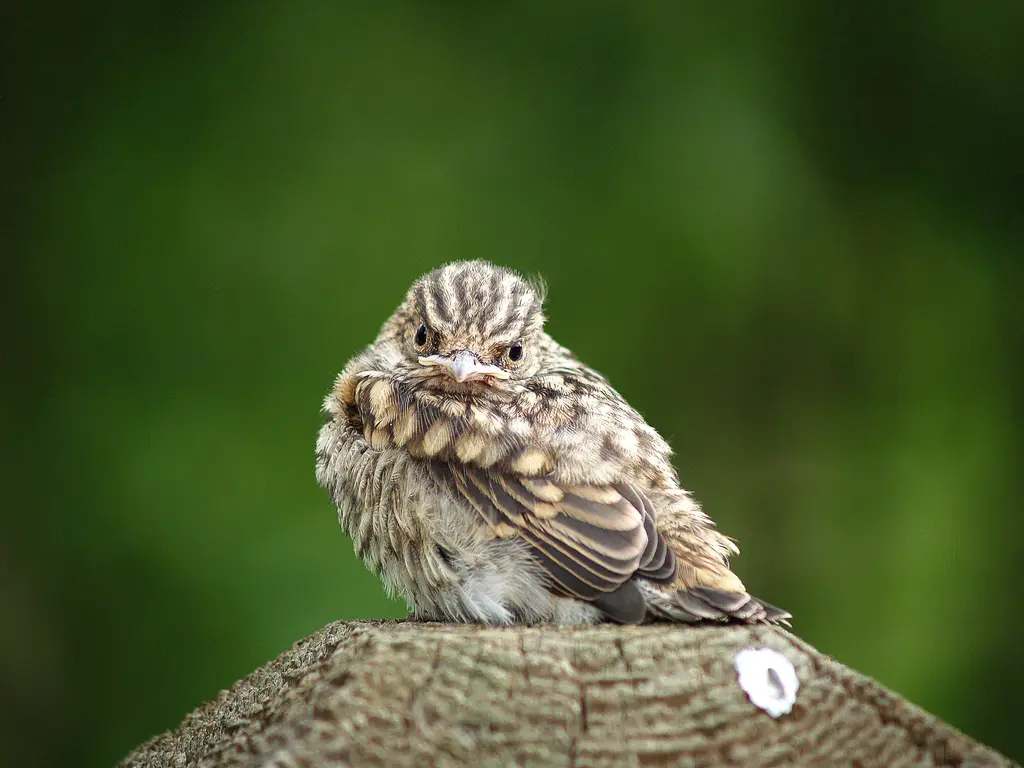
768	678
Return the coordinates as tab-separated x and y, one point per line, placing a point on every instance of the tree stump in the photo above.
411	694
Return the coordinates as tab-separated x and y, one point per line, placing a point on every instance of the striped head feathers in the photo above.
468	327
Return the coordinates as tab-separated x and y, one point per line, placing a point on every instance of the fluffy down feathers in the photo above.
531	492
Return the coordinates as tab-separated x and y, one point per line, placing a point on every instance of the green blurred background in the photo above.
790	234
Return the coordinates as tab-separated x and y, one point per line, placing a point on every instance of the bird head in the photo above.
469	326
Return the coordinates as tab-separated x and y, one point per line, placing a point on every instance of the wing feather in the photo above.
596	571
589	540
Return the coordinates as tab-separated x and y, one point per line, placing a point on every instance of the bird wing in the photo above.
589	540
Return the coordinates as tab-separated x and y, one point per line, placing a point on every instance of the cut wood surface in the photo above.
410	694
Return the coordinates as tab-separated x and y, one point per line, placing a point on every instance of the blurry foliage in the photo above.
790	234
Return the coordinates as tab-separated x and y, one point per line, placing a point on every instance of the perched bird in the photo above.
487	475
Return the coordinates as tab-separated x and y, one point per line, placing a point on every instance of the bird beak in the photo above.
462	365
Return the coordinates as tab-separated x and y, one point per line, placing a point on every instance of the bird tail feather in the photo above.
700	604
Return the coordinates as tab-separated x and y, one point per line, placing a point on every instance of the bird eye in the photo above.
421	335
515	352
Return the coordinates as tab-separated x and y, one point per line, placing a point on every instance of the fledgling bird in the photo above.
487	475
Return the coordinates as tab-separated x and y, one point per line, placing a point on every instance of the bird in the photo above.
487	475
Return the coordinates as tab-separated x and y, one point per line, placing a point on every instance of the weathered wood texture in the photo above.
411	694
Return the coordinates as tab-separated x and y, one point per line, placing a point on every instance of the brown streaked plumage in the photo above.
488	475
